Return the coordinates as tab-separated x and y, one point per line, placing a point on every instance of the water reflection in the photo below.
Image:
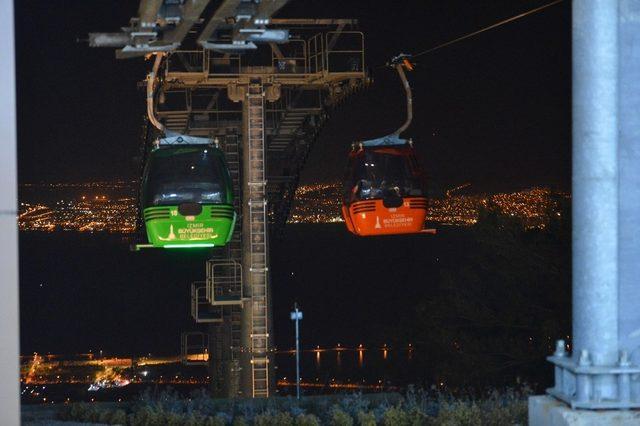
344	367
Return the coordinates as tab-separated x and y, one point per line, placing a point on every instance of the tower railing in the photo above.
202	310
194	348
291	58
224	282
323	57
344	51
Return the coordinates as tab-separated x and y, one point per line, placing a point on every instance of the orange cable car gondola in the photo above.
385	187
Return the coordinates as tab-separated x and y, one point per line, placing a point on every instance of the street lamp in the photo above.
296	316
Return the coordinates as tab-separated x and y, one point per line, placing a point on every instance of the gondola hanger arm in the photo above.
151	80
400	63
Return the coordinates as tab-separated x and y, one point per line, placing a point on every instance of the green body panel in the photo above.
167	228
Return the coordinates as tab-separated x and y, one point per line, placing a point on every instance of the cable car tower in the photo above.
261	87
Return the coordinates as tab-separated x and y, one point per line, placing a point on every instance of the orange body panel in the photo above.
347	219
371	217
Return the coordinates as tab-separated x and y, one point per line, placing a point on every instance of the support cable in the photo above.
490	27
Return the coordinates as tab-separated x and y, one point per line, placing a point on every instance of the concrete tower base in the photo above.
547	411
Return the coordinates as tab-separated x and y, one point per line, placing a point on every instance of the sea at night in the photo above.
139	306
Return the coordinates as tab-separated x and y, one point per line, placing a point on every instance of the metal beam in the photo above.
9	322
148	39
312	22
191	11
148	12
137	51
276	50
266	10
185	80
629	178
595	185
603	371
225	10
225	16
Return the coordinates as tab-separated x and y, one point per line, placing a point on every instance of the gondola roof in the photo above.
173	138
389	140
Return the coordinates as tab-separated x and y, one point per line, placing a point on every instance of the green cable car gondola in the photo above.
187	195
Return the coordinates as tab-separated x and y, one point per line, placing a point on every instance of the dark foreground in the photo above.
415	407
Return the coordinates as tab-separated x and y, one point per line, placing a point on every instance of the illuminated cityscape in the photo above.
83	207
320	203
53	378
111	206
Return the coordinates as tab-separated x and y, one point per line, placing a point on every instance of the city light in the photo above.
320	203
316	203
115	213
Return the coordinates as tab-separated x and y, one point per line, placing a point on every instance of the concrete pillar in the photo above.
629	178
9	320
595	186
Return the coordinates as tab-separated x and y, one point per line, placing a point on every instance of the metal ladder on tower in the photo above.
258	241
232	155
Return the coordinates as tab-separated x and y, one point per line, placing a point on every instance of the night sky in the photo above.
493	110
